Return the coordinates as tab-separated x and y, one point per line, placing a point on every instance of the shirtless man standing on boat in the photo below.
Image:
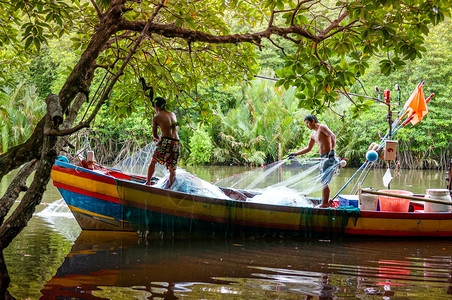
326	140
168	145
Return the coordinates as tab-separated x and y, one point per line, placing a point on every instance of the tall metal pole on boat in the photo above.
386	95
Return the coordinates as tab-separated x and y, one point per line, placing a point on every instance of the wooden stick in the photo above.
407	197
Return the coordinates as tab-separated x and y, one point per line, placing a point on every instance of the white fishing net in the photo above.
188	183
285	182
302	174
138	163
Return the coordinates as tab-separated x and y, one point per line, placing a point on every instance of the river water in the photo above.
53	259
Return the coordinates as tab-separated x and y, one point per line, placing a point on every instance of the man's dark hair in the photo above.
310	118
160	102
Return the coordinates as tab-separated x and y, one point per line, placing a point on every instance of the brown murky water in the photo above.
53	259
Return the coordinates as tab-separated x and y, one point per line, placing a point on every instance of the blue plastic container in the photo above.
348	200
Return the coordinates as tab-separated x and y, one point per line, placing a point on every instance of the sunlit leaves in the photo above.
315	66
31	24
20	110
389	29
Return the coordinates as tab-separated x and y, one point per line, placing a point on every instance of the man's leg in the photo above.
326	196
151	170
172	176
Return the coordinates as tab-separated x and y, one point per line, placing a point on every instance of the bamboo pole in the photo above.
407	197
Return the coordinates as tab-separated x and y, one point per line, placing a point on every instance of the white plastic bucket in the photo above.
437	194
90	156
368	201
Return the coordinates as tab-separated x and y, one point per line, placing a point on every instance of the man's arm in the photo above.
155	133
307	148
333	141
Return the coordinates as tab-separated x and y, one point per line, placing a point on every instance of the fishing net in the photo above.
188	183
285	182
138	163
305	175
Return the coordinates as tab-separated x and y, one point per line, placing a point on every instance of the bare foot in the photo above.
325	205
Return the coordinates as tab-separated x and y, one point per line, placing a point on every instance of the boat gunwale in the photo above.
215	201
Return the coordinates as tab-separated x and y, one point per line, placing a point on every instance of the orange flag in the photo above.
416	106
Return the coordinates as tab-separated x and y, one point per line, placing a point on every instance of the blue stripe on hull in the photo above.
100	214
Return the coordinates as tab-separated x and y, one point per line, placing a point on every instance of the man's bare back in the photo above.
167	121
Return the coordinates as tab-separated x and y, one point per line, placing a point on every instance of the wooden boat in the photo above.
107	199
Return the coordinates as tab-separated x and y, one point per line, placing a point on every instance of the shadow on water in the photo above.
119	266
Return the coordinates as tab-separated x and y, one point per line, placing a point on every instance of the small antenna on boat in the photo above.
397	88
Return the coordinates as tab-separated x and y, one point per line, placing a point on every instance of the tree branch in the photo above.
17	185
107	91
335	24
78	81
171	31
99	13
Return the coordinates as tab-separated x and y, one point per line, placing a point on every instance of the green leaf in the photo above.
37	44
28	42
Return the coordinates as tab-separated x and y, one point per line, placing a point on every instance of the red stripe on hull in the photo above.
87	193
101	177
397	233
407	215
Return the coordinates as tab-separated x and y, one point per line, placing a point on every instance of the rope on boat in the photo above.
344	213
308	222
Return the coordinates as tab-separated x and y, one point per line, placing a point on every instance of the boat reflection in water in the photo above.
113	265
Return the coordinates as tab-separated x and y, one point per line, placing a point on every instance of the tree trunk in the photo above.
4	279
16	186
24	211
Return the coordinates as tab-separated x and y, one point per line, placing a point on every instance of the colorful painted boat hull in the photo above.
91	196
158	212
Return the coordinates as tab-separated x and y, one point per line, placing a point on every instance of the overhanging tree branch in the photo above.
171	31
112	82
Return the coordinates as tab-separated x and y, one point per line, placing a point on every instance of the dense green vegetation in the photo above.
20	109
427	144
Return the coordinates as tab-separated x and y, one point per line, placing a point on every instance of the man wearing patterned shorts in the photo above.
168	145
167	152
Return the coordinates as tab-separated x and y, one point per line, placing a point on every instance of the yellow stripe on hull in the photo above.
399	224
89	213
85	183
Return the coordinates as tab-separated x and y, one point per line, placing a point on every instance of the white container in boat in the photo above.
90	156
437	194
368	201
